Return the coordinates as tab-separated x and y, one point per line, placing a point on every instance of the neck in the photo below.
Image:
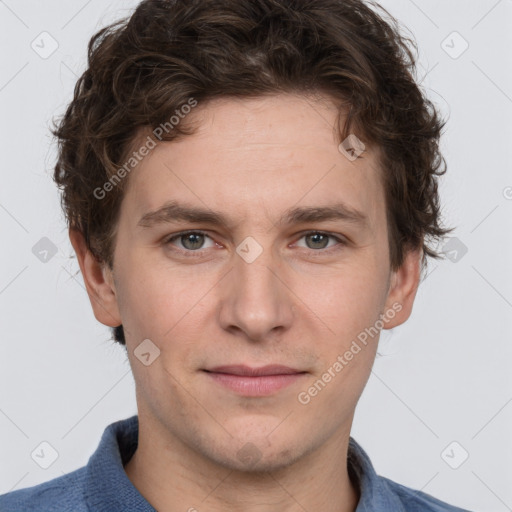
171	475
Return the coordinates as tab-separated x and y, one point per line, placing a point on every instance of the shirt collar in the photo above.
375	494
108	488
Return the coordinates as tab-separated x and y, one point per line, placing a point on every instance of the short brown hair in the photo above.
144	68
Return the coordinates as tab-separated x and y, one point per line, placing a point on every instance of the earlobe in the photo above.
98	282
403	287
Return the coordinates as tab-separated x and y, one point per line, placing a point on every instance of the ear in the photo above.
403	286
99	282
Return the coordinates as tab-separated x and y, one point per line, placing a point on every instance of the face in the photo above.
275	281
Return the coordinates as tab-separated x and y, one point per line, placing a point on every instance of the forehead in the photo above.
249	156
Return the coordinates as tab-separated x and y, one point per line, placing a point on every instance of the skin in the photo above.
297	304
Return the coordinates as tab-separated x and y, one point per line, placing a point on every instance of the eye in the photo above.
190	240
319	240
193	241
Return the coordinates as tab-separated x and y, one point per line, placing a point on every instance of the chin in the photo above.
255	455
257	461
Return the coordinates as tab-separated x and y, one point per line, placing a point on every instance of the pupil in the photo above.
192	238
316	237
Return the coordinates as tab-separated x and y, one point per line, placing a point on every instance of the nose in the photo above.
256	302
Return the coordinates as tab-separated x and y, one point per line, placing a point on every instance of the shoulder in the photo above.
58	495
418	501
382	494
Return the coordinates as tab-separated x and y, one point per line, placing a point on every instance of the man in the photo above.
249	185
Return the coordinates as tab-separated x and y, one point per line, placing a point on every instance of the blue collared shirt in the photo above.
103	486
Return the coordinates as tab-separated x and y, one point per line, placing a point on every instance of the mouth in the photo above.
247	381
243	370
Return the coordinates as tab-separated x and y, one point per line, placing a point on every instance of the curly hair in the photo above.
144	68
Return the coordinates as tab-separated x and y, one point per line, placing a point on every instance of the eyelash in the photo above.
198	253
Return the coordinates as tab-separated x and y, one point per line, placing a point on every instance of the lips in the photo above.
247	371
254	382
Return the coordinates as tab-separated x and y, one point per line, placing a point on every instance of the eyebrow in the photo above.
172	211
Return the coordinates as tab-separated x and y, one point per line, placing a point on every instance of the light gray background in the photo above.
444	376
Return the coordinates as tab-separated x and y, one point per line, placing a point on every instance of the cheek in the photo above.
342	304
156	296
